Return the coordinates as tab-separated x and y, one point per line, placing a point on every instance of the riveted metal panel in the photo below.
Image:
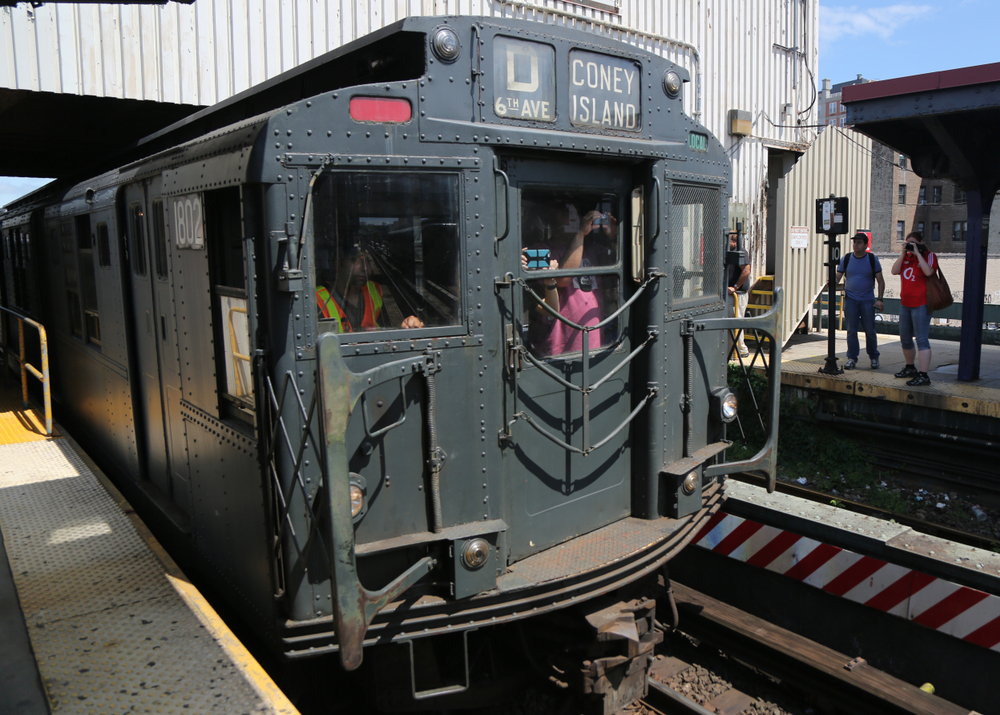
214	173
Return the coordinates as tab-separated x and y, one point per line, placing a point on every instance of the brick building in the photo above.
903	202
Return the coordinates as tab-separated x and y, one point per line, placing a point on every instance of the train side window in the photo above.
160	239
103	246
227	269
695	244
578	231
137	239
87	280
70	278
386	251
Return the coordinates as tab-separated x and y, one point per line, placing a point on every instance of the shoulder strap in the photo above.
847	259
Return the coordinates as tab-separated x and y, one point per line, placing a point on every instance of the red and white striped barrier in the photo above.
959	611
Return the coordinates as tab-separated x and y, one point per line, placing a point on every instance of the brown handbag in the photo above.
938	291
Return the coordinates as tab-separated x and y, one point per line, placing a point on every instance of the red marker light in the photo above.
380	109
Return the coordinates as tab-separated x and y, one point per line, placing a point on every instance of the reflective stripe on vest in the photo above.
331	310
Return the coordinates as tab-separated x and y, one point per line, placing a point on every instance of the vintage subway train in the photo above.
422	338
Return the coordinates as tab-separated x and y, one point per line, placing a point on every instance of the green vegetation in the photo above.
807	449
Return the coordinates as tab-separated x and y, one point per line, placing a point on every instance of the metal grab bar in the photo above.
653	276
26	368
234	345
586	388
339	391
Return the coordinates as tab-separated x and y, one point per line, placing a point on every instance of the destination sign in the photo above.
604	91
524	80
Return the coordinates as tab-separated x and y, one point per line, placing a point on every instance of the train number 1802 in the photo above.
188	227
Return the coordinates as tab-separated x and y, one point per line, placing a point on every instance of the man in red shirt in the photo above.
914	264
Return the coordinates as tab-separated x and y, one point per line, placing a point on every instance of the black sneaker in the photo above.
908	371
850	364
921	380
875	364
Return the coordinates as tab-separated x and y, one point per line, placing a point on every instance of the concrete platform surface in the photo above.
114	624
804	355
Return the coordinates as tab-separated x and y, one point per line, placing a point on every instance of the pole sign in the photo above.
831	215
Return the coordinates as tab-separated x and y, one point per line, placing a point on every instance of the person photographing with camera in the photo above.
914	264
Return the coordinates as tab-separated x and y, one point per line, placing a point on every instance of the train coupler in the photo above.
626	641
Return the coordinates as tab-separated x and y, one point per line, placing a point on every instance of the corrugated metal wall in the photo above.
752	55
839	163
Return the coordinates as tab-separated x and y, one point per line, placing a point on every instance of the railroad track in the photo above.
848	684
956	463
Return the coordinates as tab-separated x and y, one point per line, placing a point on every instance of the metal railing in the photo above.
42	375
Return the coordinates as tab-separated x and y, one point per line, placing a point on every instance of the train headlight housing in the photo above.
671	83
445	44
725	403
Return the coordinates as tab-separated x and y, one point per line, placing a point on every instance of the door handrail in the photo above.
506	434
43	374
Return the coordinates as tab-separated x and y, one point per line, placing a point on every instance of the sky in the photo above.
884	40
878	40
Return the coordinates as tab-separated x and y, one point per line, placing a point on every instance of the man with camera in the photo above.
863	271
914	264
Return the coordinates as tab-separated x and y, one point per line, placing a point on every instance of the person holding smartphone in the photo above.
914	264
577	298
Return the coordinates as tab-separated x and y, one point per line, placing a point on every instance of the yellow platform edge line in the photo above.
203	611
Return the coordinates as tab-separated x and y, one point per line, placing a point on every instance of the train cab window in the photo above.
159	239
137	239
386	251
103	246
695	245
227	268
570	231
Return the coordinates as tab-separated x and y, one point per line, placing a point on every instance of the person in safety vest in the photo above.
354	301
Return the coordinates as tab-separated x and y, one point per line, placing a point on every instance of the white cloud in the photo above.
852	21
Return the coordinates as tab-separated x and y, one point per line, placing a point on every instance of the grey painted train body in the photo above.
180	295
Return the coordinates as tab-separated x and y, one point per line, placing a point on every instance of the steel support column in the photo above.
980	202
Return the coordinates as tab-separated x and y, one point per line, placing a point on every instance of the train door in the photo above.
149	328
568	407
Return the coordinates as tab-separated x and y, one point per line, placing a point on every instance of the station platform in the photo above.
804	355
95	617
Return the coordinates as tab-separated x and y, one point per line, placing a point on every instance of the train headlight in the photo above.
359	496
690	483
357	500
671	83
725	403
446	45
476	553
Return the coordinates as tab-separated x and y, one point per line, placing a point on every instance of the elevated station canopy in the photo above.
945	122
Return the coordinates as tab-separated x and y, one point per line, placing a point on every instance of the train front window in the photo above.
577	233
695	244
386	251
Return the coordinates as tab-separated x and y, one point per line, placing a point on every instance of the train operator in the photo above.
354	301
